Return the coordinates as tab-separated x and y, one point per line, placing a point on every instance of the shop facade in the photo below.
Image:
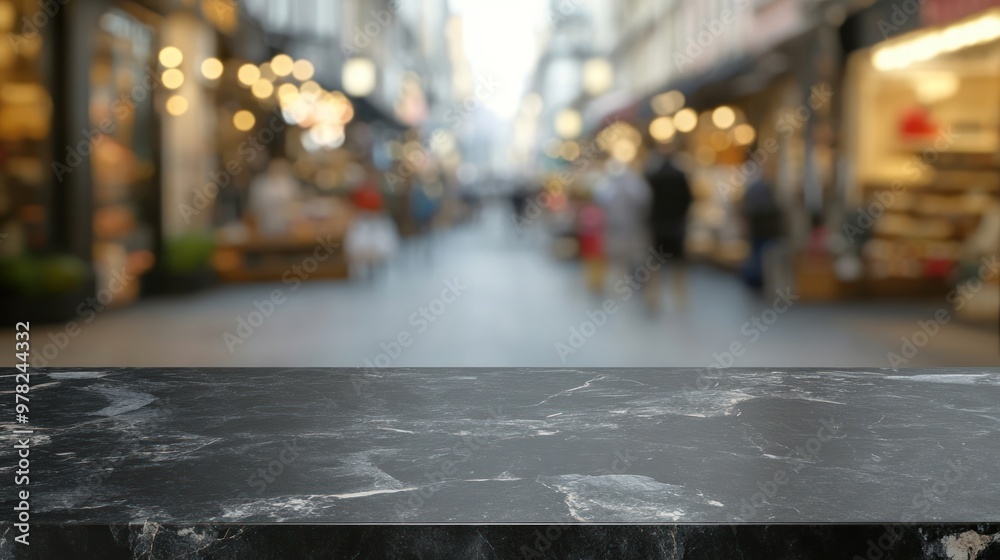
922	134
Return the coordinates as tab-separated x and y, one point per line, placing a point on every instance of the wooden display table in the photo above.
277	259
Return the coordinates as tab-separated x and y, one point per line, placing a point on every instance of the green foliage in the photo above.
188	254
36	275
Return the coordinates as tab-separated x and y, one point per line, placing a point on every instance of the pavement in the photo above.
483	295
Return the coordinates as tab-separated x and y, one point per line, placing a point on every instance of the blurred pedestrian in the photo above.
668	212
371	239
271	198
424	204
519	195
625	197
764	223
590	233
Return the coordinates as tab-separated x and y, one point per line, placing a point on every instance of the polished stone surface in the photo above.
506	446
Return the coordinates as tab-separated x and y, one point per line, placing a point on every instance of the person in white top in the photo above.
271	198
625	196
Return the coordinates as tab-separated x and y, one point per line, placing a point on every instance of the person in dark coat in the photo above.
669	208
667	219
765	224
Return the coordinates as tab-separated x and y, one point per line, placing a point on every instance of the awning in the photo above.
368	112
736	77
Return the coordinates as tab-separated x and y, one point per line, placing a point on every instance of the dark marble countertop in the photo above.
507	446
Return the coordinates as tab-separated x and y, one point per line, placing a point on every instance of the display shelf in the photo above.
271	259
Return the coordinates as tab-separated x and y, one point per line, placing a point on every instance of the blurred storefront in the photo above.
197	141
88	217
737	108
876	128
922	151
96	218
27	111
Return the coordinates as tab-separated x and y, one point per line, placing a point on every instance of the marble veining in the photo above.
187	445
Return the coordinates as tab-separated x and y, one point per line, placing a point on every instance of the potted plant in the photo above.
187	262
43	288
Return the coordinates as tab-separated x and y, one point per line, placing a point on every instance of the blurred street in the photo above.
505	319
578	183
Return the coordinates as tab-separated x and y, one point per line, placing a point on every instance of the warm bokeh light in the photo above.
624	150
262	89
212	68
598	76
172	78
311	89
177	105
282	65
327	135
569	151
244	120
171	57
935	86
724	117
569	123
744	134
359	77
303	70
288	94
662	129
686	120
248	74
666	104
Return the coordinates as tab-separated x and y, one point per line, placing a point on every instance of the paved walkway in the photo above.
515	303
